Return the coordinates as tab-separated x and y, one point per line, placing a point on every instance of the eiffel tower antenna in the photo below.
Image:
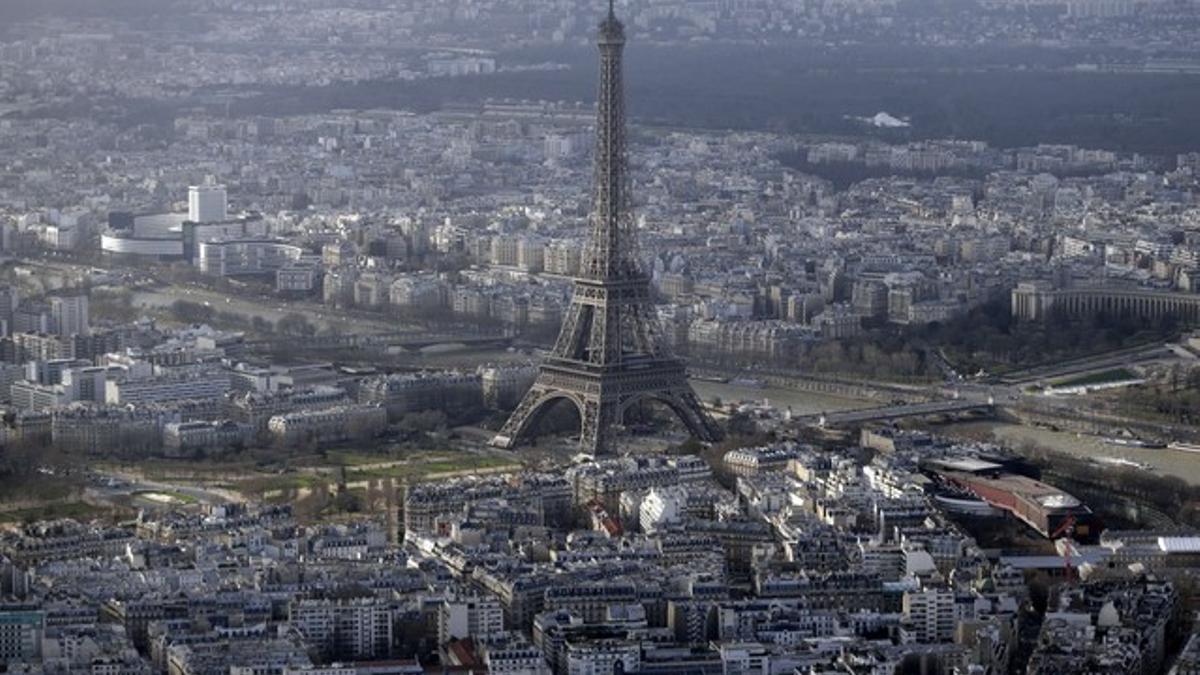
609	355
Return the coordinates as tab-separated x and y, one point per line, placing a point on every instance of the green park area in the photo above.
77	510
1101	377
164	497
269	477
434	467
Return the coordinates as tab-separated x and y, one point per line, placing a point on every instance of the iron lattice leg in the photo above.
525	416
697	419
686	406
595	433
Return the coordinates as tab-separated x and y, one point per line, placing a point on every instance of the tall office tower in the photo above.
10	299
610	355
207	204
69	314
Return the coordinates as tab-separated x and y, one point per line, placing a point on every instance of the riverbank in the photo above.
1161	461
801	402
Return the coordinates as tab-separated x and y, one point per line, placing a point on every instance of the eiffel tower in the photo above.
609	355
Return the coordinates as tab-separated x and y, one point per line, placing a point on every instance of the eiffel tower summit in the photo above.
610	355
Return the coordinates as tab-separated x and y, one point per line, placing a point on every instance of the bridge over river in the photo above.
404	340
900	411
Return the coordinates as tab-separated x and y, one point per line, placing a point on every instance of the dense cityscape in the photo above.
677	337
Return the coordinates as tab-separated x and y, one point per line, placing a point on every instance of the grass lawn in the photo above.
261	483
350	458
78	510
443	464
184	471
353	458
38	487
314	470
1102	377
172	496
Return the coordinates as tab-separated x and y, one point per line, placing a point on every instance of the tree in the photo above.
261	326
296	325
692	446
187	311
423	421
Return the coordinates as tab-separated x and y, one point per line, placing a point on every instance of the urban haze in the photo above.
599	337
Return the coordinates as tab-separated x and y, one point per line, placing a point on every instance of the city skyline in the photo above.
523	337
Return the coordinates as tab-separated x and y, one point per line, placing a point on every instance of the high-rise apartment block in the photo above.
207	204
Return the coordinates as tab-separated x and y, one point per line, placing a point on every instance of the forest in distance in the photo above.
991	97
1007	95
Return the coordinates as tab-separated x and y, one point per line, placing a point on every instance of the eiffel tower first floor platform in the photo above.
603	395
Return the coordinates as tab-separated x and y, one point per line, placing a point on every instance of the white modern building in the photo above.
88	383
929	614
476	617
662	508
191	386
359	629
207	204
233	257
